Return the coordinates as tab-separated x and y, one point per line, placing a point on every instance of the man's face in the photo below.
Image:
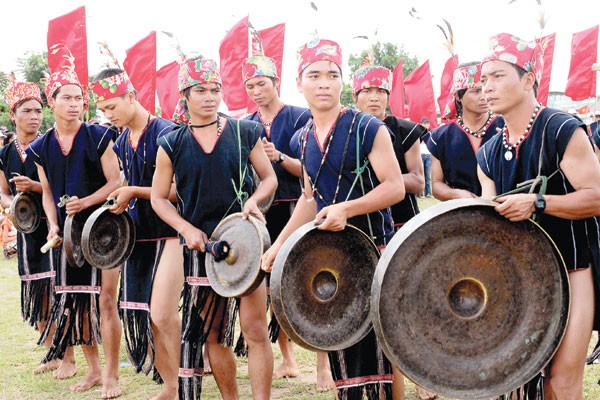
68	104
473	101
321	83
262	90
373	101
118	110
27	116
204	100
502	86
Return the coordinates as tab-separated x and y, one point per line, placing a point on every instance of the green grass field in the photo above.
19	355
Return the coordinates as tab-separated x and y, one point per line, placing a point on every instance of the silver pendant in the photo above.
508	155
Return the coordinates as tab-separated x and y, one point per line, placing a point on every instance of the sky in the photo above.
199	26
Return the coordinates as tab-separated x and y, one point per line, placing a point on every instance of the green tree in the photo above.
33	68
384	54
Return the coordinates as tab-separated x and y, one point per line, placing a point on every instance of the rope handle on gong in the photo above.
528	186
64	199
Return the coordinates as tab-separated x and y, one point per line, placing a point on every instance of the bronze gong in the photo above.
26	211
107	239
72	239
233	255
320	287
467	303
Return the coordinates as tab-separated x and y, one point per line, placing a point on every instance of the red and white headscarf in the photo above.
372	76
318	50
525	54
21	91
111	87
259	65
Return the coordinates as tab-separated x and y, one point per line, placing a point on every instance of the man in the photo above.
595	130
210	160
510	76
426	157
330	195
453	145
280	122
371	86
77	160
152	277
36	270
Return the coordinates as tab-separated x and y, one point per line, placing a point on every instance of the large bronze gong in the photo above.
320	287
107	239
26	211
467	303
233	255
72	239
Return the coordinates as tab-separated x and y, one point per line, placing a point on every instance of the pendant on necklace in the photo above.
508	155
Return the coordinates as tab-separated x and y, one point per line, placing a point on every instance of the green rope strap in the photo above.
240	195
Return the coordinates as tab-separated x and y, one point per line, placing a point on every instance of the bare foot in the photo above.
66	370
167	394
325	381
111	389
89	381
289	370
425	394
46	367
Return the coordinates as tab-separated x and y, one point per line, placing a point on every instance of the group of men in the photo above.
181	180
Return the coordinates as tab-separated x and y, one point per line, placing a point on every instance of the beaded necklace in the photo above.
479	133
330	136
57	136
508	154
22	146
269	124
129	164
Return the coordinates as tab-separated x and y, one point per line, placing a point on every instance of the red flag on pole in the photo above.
547	44
166	89
233	51
446	81
272	40
581	84
419	95
69	29
140	65
397	93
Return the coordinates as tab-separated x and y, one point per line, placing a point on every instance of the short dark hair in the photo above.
57	91
107	73
522	72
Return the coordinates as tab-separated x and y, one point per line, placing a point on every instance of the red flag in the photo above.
166	89
272	39
547	44
233	51
272	42
397	93
581	84
419	95
583	110
446	81
140	65
69	29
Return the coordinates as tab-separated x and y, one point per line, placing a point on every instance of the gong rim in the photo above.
224	279
94	248
291	320
72	240
479	377
25	212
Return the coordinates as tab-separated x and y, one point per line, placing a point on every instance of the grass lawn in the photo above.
19	355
